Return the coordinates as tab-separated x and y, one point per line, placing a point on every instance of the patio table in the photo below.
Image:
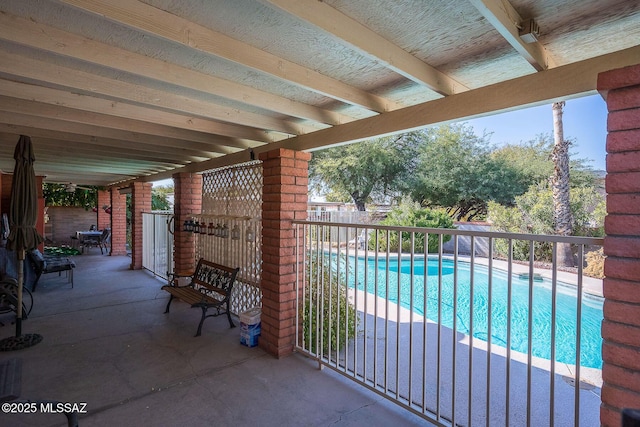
81	235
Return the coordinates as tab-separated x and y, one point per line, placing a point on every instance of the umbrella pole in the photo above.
20	341
21	256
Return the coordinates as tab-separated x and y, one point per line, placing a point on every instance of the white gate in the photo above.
157	242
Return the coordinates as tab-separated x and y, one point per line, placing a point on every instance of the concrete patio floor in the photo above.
108	343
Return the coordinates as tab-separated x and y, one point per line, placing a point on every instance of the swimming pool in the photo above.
478	305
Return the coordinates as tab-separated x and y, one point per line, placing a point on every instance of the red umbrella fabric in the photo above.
23	236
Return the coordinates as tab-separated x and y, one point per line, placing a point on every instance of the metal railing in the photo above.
458	340
157	243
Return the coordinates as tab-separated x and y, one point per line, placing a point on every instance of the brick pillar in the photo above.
187	202
284	198
140	202
621	325
118	222
104	218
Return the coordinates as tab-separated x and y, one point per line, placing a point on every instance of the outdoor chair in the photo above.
105	240
9	297
98	241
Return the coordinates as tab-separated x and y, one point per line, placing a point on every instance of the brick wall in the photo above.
64	221
621	325
118	222
104	218
284	199
140	202
188	202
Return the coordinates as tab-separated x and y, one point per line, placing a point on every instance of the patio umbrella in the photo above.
23	236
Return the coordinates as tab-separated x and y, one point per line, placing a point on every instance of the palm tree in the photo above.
563	220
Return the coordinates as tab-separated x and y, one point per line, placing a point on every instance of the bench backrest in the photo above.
214	277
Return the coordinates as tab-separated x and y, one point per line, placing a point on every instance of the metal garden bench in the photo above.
209	286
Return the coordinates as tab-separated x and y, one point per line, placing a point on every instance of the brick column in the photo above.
284	199
140	202
118	222
187	202
621	325
104	218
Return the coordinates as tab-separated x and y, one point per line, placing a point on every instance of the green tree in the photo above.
159	201
57	195
532	159
455	170
363	170
533	214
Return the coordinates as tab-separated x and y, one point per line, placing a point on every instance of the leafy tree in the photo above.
363	170
532	159
410	214
159	200
57	195
533	214
456	170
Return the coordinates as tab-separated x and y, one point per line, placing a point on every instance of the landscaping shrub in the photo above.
409	214
326	301
595	264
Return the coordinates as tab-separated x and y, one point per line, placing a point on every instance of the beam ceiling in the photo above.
122	90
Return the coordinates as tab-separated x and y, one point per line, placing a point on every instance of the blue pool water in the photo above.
591	342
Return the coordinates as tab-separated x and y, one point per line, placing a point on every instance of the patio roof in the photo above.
121	90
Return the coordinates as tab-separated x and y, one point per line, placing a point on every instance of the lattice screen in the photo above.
232	201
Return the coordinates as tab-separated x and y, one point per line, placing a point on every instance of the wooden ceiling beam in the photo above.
90	140
370	43
127	127
560	83
507	21
97	86
160	23
50	39
78	154
121	110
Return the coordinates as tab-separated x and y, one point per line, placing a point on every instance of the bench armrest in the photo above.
173	277
182	273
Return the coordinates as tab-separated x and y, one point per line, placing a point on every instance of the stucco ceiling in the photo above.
111	91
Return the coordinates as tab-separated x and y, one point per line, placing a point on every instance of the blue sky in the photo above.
584	120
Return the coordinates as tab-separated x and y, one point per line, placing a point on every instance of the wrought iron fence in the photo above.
507	339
